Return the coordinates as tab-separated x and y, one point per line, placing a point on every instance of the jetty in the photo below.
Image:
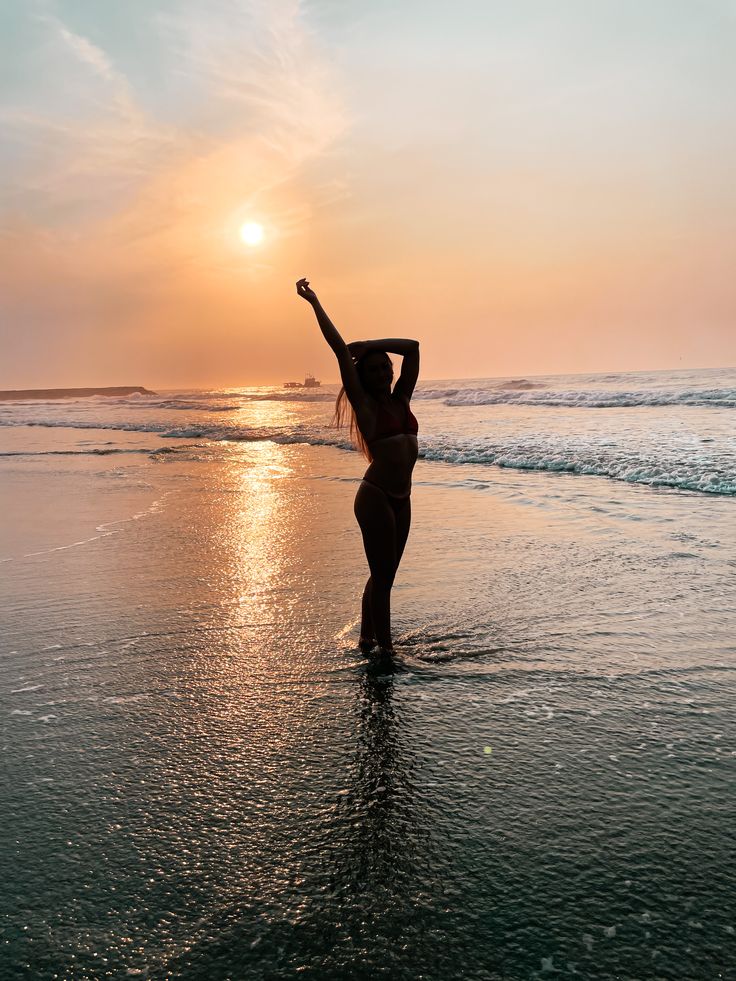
71	393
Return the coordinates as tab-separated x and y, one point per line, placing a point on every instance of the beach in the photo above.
206	778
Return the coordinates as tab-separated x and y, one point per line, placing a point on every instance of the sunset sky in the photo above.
526	187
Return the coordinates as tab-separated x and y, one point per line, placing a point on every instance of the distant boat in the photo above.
309	382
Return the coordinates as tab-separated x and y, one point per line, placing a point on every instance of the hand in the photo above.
303	289
357	349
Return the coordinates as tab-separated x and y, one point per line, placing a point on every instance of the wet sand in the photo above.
208	780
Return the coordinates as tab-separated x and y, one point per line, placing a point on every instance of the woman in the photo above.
384	427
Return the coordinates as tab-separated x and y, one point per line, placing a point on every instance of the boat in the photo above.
309	382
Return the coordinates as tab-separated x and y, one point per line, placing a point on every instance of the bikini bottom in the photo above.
397	502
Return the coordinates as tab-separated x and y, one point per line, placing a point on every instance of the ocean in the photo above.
203	777
674	428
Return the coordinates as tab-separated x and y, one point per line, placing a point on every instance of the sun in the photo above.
251	233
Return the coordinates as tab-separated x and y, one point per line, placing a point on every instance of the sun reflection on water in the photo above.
268	414
257	528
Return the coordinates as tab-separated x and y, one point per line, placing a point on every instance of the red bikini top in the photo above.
388	425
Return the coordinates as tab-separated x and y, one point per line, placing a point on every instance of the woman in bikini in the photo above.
384	428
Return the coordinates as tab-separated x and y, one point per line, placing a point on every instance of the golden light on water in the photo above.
251	233
256	525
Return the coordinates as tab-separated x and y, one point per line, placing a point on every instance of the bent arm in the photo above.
393	345
409	349
409	371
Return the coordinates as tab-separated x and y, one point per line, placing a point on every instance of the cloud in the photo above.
117	197
87	53
248	76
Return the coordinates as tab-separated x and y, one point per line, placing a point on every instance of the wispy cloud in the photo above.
87	53
118	198
257	101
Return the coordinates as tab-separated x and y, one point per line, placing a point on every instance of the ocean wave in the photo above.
127	427
656	466
267	395
263	394
292	397
185	405
430	394
521	384
702	476
718	397
183	401
630	468
151	451
519	391
165	431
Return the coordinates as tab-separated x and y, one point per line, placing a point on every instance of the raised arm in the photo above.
351	381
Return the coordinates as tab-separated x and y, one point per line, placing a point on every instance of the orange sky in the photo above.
524	190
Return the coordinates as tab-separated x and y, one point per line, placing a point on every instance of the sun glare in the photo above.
251	233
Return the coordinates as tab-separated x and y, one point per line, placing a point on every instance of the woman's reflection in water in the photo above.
382	842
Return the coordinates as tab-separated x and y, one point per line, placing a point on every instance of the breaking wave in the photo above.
706	472
236	400
719	397
521	384
693	475
94	452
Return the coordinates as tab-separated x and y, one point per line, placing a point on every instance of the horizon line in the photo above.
515	375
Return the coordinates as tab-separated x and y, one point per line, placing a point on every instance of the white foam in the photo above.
596	399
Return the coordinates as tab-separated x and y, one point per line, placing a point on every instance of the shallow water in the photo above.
206	779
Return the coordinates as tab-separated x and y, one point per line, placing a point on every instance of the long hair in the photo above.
344	414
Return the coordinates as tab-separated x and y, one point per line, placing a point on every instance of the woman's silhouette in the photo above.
384	428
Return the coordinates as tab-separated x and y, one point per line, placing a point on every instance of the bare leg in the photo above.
402	516
367	633
378	526
403	523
